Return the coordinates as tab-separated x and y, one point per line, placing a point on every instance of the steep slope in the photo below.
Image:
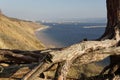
18	34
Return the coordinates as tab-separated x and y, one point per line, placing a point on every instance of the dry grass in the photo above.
18	34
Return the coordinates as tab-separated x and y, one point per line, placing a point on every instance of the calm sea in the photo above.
66	34
69	33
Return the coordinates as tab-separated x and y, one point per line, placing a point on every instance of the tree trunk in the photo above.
113	19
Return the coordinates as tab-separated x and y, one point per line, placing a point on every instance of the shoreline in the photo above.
42	28
45	39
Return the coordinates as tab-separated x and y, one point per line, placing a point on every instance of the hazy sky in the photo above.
53	9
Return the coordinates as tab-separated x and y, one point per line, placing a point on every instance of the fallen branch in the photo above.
98	55
9	56
86	52
69	54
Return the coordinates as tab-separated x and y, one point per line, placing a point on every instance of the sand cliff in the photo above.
18	34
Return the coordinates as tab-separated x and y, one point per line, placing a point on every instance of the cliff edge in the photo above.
18	34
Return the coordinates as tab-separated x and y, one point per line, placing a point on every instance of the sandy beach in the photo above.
45	39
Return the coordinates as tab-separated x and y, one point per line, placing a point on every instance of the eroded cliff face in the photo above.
18	34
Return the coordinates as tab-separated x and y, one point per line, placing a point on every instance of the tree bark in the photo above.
113	19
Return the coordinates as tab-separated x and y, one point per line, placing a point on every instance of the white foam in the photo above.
43	28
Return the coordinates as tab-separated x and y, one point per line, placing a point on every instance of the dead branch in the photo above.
84	49
86	52
9	56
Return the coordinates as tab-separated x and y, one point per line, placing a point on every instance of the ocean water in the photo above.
70	33
66	34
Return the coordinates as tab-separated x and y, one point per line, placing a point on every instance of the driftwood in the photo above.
86	52
94	50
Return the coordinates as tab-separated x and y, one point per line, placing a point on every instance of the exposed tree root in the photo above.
86	52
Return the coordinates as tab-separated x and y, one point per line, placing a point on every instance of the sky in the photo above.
53	9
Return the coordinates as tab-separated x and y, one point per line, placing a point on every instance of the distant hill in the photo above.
18	34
